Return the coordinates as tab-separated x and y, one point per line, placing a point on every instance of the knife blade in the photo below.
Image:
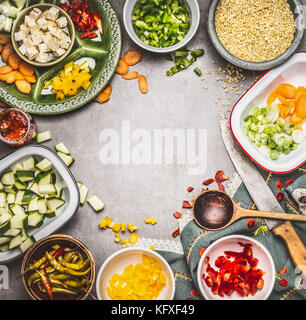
259	191
262	196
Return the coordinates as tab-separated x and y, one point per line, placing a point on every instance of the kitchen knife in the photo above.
262	196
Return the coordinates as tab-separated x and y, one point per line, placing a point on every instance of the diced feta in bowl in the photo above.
43	35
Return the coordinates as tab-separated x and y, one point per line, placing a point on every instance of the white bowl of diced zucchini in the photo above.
284	136
43	35
38	195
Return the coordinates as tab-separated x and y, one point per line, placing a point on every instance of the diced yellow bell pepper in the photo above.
132	227
123	227
106	222
150	220
116	227
133	238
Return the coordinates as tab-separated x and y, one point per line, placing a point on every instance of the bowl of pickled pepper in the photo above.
58	267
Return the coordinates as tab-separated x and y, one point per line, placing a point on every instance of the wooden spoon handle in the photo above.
296	248
244	213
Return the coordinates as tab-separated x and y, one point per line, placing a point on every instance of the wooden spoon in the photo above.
215	210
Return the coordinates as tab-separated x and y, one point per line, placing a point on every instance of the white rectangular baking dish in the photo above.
70	193
293	72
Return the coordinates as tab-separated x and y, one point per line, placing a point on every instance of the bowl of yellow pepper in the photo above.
135	274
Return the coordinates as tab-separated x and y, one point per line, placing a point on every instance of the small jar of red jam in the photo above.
17	128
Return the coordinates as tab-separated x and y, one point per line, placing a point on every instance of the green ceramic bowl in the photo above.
257	66
20	19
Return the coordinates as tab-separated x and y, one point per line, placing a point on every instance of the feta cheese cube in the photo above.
59	52
51	57
24	29
66	31
42	47
32	53
29	22
28	42
51	23
42	24
42	57
18	36
53	44
53	13
62	22
36	38
57	33
65	42
35	13
23	49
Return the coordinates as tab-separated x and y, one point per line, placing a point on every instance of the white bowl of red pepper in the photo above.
236	267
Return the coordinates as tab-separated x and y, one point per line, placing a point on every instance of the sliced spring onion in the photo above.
268	131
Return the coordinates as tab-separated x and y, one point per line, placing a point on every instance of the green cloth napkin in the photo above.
194	238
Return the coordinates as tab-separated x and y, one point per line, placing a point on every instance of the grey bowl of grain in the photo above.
296	9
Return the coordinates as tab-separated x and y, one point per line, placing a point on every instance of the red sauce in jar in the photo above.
16	125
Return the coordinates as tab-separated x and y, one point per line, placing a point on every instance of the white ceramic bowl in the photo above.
195	20
119	260
217	249
293	72
71	193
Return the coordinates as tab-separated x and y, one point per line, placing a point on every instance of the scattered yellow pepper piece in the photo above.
123	241
133	238
106	222
116	227
123	227
152	247
144	281
132	227
150	220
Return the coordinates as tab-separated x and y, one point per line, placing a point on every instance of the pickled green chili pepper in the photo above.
76	266
75	283
161	23
63	269
64	291
35	276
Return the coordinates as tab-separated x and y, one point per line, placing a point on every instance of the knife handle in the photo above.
296	248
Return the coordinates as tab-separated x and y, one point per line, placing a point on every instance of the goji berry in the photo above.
176	233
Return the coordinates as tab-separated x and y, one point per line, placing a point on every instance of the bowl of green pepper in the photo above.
161	26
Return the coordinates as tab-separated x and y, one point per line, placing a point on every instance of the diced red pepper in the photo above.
187	205
208	281
177	215
189	189
220	177
208	181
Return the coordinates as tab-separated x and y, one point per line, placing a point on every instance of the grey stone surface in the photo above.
133	192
